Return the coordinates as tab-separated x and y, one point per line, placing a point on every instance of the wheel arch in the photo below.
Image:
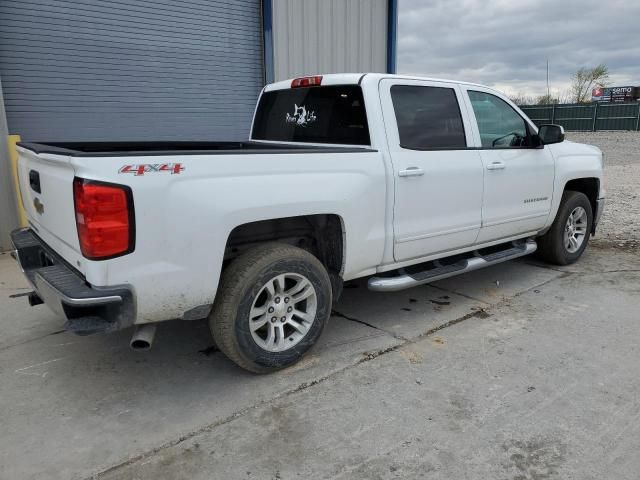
322	235
590	186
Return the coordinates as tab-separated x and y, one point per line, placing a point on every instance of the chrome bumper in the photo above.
87	309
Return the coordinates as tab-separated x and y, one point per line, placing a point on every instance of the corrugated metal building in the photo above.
73	70
330	36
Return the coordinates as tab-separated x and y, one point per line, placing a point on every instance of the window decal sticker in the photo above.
301	117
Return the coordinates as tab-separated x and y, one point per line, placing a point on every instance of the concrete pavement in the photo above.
518	371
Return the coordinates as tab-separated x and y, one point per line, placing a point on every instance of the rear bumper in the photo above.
86	309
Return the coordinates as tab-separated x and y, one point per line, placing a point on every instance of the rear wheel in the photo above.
569	234
271	307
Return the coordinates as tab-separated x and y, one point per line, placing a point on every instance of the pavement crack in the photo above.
353	319
534	287
7	347
17	295
367	324
212	426
633	270
546	267
480	313
469	297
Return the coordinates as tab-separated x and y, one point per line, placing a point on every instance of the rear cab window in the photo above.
428	118
331	115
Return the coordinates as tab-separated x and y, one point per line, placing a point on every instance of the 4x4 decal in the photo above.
137	170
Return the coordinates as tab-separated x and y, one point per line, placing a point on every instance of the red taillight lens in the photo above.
314	81
104	217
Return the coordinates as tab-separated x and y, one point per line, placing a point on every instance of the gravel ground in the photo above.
620	224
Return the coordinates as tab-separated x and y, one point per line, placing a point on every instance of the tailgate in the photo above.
46	189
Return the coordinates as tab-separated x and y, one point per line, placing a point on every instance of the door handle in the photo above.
496	166
411	172
34	181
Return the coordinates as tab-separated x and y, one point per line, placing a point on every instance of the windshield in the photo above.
333	114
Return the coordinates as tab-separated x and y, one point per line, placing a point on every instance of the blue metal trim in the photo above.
392	35
267	34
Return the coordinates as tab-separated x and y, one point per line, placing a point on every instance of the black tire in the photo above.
240	285
551	245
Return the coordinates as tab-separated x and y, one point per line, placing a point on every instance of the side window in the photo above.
500	125
428	117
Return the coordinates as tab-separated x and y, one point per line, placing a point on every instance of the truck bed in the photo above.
123	149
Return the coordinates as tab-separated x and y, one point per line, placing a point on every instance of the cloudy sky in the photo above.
506	43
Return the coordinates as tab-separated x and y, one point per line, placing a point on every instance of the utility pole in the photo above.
548	92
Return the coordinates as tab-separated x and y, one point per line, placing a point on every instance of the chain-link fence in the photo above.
589	117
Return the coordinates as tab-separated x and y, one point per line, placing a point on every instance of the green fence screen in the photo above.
590	116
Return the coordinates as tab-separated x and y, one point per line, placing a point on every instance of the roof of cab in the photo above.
327	79
356	78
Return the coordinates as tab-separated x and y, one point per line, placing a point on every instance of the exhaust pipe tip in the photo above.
140	345
142	338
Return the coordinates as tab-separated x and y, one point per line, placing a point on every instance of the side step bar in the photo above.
436	270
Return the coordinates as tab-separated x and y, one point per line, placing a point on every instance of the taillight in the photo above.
314	81
105	219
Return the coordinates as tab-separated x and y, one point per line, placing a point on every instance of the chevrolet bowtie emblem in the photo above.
39	206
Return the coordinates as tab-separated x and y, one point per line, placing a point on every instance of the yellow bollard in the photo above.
13	158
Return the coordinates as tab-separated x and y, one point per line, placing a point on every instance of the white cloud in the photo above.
505	44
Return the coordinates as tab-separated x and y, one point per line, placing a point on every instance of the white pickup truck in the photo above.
402	179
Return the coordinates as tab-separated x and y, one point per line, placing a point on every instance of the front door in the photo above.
438	180
518	174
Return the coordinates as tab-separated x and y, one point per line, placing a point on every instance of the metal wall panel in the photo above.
329	36
617	116
130	69
590	116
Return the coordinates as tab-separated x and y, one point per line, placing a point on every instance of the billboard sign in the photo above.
615	94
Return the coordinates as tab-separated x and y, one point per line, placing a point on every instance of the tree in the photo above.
547	100
521	99
585	78
565	96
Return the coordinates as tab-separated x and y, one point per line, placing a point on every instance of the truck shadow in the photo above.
361	321
183	384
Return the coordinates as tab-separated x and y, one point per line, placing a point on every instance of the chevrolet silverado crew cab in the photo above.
401	179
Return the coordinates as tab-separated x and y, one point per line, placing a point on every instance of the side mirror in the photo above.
551	134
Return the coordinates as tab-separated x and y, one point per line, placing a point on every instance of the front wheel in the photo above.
271	307
569	234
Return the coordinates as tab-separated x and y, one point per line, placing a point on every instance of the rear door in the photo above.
518	174
438	180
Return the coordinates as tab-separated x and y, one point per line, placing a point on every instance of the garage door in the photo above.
130	69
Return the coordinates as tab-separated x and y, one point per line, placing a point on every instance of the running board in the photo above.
436	270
